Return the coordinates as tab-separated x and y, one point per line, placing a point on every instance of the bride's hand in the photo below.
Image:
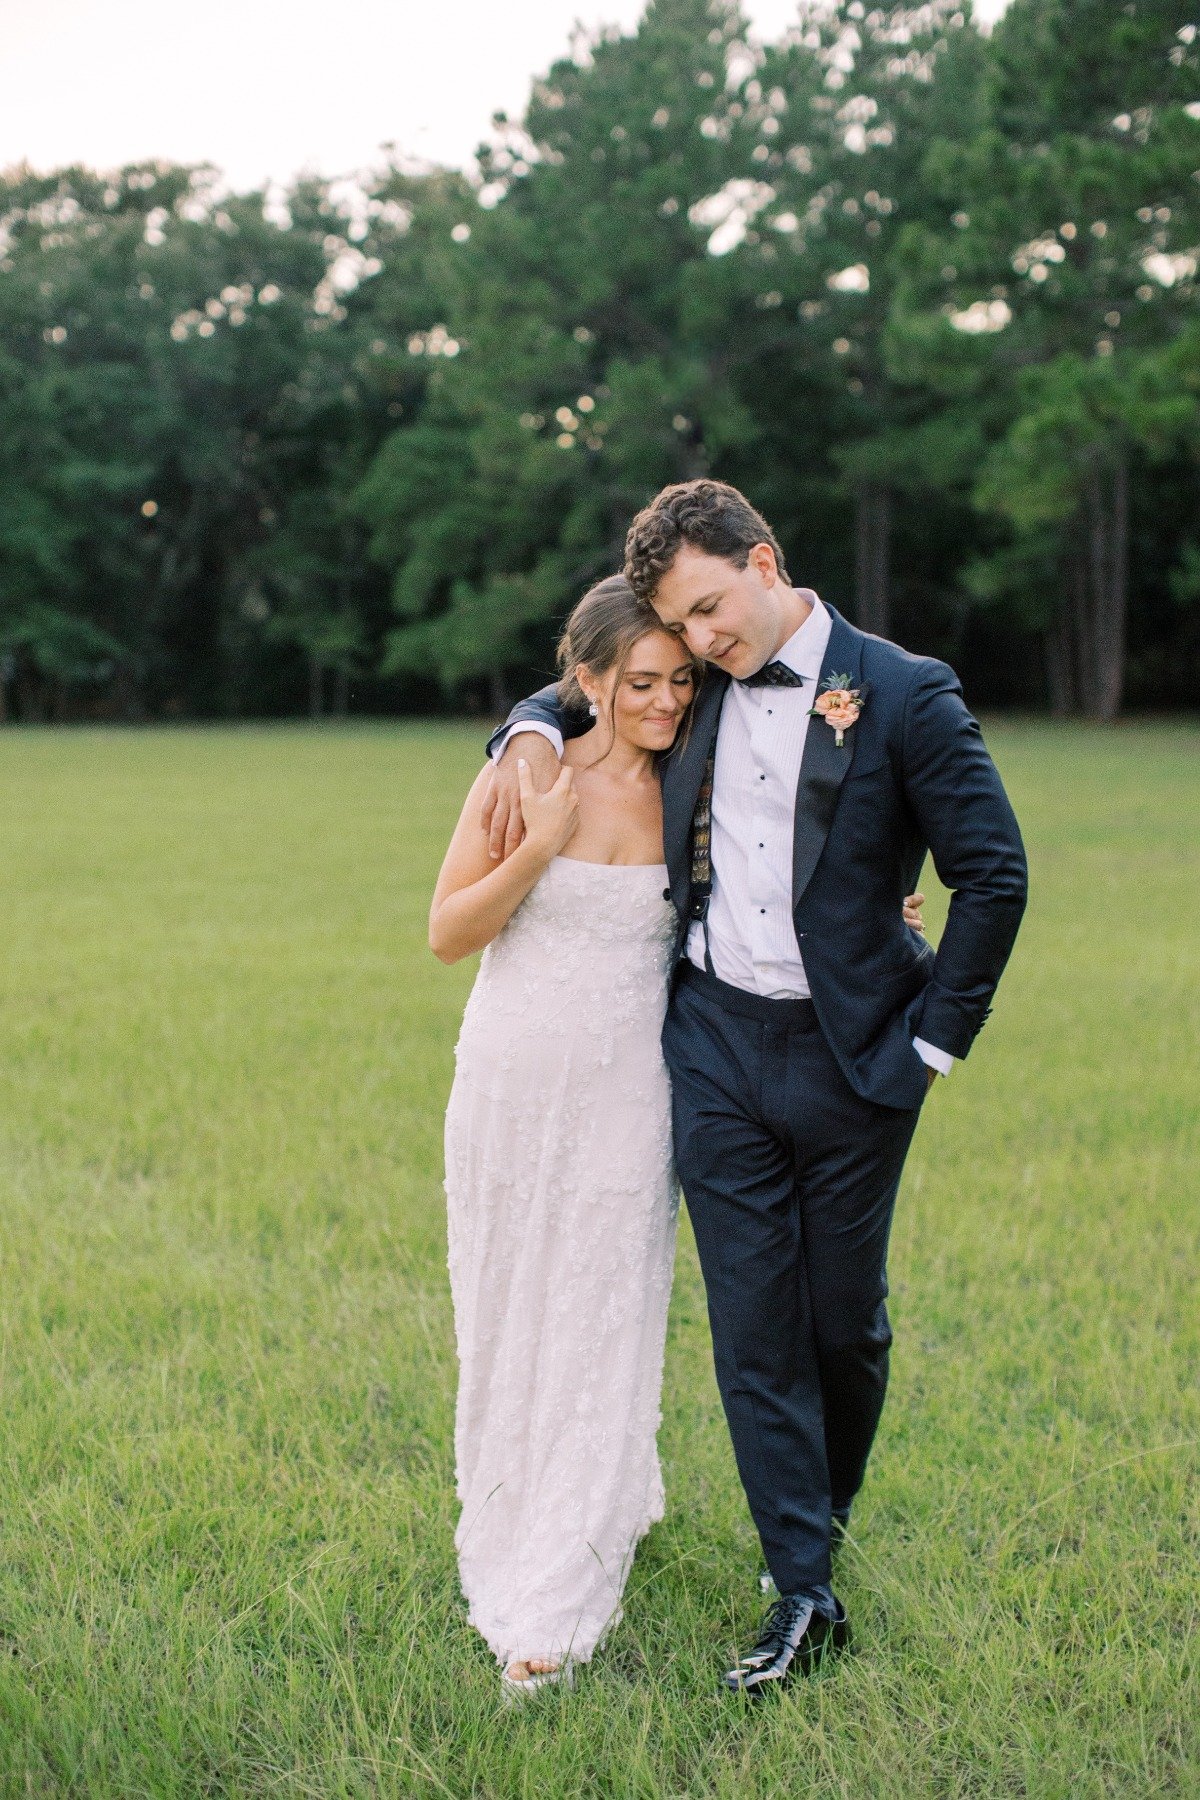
912	912
550	819
500	814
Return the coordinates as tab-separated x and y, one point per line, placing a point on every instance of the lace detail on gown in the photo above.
562	1207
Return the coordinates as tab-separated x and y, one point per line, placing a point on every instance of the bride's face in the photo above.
652	695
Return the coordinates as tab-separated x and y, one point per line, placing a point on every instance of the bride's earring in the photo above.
593	708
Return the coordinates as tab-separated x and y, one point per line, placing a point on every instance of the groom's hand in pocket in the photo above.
501	816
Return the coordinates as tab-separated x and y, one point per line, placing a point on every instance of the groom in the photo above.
806	1021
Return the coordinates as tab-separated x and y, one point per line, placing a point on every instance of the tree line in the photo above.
927	295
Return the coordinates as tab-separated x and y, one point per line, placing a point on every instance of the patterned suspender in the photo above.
702	878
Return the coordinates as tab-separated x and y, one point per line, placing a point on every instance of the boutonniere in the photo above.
839	705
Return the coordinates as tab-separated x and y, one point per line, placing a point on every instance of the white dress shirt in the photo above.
751	932
760	743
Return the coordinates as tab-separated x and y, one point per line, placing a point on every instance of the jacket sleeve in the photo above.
544	708
960	805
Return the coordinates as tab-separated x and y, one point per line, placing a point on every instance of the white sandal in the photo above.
513	1689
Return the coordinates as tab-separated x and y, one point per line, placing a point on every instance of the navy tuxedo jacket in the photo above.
912	776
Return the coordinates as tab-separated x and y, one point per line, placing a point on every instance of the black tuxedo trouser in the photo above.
790	1179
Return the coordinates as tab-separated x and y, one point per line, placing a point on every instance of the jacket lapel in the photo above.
823	766
682	775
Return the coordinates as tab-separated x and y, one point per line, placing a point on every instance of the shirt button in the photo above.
762	778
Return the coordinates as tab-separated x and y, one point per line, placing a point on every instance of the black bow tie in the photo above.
775	674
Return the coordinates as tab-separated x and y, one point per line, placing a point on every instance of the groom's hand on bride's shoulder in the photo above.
501	815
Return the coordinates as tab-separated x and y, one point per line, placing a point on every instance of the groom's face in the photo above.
730	617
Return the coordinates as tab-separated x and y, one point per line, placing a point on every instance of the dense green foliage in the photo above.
927	295
226	1489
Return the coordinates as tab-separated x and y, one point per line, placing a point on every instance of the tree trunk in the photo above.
1110	548
1062	662
499	697
316	687
341	692
1085	648
127	699
872	557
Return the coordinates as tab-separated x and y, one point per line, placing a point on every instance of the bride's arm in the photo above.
475	898
536	728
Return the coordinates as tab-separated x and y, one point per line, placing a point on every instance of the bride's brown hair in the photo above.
601	633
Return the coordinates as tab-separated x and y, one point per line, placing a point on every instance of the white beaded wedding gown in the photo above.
562	1207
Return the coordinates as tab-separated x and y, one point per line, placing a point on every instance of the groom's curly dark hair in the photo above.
708	515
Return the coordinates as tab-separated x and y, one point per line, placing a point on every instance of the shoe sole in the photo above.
806	1661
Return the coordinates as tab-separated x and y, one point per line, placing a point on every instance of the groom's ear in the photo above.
762	558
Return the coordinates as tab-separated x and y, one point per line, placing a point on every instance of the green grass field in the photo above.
226	1497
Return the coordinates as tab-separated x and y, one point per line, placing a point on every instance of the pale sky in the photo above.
265	88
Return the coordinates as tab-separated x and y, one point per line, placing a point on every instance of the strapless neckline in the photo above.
581	863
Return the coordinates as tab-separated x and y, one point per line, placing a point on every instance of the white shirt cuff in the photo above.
547	731
941	1060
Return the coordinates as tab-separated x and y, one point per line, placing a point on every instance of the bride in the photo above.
559	1184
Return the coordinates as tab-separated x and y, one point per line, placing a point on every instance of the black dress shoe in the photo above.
795	1637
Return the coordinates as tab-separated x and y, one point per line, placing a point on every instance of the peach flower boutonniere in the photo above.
839	705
